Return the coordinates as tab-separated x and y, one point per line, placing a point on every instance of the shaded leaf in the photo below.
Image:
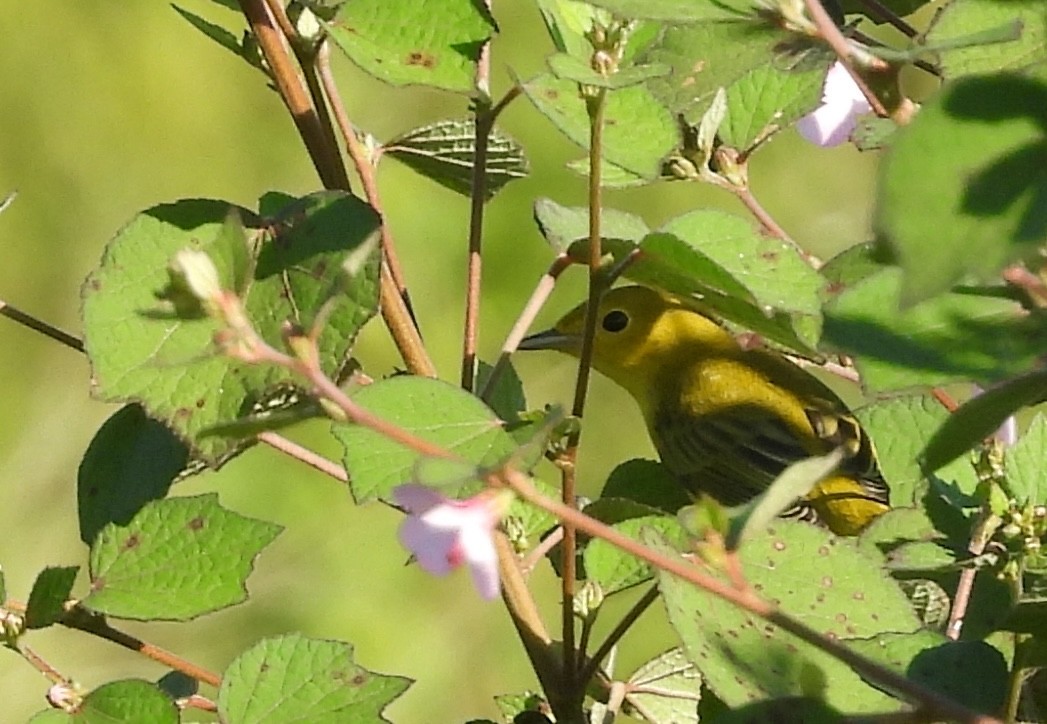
951	338
444	152
169	365
981	415
131	460
962	190
47	599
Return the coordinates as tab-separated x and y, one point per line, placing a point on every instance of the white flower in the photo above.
443	533
842	102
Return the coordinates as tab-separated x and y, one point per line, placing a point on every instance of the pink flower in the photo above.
842	102
443	533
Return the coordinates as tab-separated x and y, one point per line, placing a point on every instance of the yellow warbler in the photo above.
725	420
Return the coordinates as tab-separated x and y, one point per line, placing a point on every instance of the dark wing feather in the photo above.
736	455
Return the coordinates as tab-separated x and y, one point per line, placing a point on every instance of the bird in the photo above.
726	420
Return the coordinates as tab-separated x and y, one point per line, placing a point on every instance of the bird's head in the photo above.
641	335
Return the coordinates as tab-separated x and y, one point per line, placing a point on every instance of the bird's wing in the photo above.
734	456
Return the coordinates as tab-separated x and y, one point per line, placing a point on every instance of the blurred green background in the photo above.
108	108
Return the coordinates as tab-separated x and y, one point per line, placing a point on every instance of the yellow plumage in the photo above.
726	421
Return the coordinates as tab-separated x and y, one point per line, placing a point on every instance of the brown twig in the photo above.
538	298
38	325
595	105
37	662
831	34
325	158
83	620
536	554
482	125
395	300
80	619
523	611
303	454
273	439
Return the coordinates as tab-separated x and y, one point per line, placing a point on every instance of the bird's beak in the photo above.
551	339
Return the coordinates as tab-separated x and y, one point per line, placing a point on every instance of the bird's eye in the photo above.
615	321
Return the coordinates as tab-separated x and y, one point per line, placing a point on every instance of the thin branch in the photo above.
273	439
303	454
939	706
528	563
395	300
568	551
195	701
38	325
519	601
831	34
538	298
631	616
40	664
82	620
482	125
325	158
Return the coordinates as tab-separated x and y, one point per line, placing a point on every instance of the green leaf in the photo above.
848	268
562	225
921	556
177	559
981	415
611	176
961	191
128	700
507	399
951	338
131	460
680	10
929	600
512	705
51	590
293	679
435	411
1025	464
959	19
616	570
873	134
569	67
638	131
758	283
647	482
215	32
444	152
568	22
766	99
169	365
900	428
794	482
944	666
896	527
770	79
666	689
414	41
815	577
